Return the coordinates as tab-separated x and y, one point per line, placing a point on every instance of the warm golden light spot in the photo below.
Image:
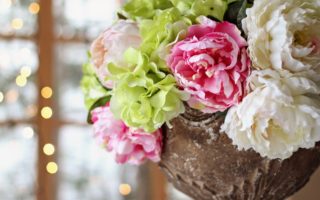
46	92
1	97
25	71
52	168
125	189
12	96
17	23
46	112
34	8
21	81
48	149
28	132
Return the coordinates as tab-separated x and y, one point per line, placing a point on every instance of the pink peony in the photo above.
127	144
110	46
212	65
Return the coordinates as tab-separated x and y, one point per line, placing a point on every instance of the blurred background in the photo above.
46	148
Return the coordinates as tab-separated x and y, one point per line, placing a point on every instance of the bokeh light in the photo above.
125	189
34	8
28	132
46	112
21	81
17	23
46	92
52	168
1	97
48	149
25	71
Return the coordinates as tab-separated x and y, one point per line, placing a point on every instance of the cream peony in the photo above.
284	34
278	117
110	46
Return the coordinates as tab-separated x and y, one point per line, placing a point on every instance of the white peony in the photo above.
110	46
280	115
284	34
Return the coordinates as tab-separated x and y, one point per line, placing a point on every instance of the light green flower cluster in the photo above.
91	87
145	94
195	8
159	34
145	97
144	9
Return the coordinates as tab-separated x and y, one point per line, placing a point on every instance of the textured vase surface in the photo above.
204	164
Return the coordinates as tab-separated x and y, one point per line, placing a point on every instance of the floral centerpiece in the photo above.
256	63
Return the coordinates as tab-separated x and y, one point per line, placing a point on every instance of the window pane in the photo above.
69	61
18	148
18	92
87	171
18	17
84	18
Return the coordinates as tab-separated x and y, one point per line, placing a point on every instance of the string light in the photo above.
1	97
17	23
12	96
46	112
48	149
125	189
28	132
52	168
34	8
46	92
21	81
25	71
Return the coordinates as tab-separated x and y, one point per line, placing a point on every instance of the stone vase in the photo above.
204	164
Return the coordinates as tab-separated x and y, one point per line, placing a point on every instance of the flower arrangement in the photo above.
256	62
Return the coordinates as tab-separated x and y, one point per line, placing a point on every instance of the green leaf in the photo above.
242	14
236	12
121	16
100	102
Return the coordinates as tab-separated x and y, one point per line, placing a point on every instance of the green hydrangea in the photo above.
145	94
91	86
144	9
160	33
195	8
145	97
